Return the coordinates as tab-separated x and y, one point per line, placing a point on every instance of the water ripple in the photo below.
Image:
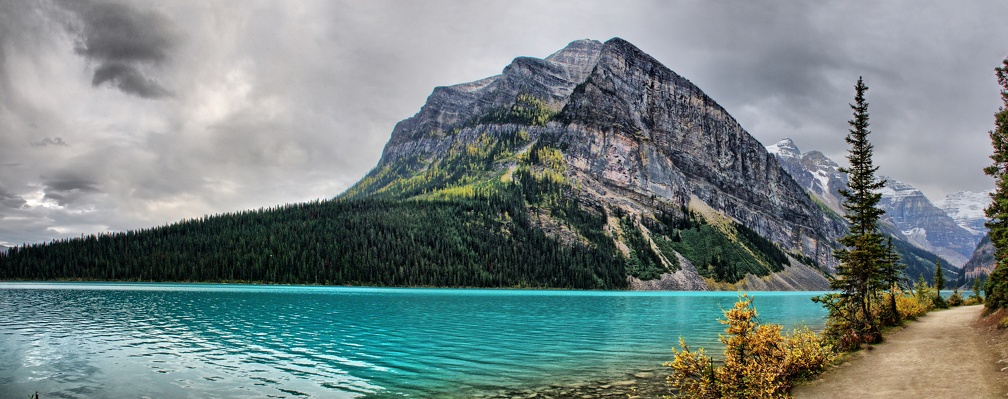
145	340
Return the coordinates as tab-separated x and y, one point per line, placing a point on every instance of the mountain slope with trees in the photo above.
590	168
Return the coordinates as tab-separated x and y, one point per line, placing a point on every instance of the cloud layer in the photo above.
125	43
117	115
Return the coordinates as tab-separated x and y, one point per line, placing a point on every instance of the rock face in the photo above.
924	224
636	138
967	209
814	171
909	214
982	261
635	125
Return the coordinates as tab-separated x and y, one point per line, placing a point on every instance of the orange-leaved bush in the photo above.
759	361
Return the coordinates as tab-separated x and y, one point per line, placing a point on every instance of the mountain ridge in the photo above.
909	215
595	167
616	130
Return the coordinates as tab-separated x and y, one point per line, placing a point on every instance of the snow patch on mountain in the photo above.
967	209
895	190
785	148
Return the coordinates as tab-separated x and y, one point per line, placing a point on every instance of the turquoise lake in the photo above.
229	341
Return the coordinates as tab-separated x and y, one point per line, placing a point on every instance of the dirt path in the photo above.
946	354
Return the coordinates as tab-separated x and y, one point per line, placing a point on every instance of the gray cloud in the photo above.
278	102
128	79
10	201
47	141
126	43
68	187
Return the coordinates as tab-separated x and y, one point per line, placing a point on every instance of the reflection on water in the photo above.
146	340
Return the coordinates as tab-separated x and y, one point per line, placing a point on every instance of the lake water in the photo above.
194	340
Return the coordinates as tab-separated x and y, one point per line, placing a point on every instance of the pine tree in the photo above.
892	269
939	277
860	275
996	288
939	283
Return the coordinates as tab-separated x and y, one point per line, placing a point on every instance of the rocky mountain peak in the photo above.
580	54
821	161
967	209
895	190
631	137
785	148
909	214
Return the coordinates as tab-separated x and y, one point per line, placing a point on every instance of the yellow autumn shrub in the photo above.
759	361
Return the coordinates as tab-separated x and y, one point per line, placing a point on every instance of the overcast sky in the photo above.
124	115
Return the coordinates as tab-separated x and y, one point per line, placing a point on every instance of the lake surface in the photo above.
194	340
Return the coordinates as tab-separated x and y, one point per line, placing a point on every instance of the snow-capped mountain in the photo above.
812	170
924	224
967	209
909	214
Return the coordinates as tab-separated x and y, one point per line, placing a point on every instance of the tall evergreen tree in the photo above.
997	212
939	283
939	277
860	274
891	271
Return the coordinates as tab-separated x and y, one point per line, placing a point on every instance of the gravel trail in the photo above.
946	354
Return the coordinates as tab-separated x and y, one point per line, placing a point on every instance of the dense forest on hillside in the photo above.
485	242
458	222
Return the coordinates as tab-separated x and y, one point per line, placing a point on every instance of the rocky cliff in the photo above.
967	209
909	214
924	224
981	264
632	140
814	171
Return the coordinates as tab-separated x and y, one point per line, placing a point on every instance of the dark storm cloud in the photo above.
127	44
128	79
277	101
66	188
47	141
10	201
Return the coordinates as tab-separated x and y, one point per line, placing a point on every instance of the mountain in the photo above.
909	216
815	172
981	264
967	209
924	224
624	136
595	167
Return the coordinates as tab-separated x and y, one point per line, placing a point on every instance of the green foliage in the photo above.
467	163
917	262
480	242
643	263
766	250
956	299
939	284
841	328
863	257
939	276
997	212
759	361
723	256
527	110
977	287
719	256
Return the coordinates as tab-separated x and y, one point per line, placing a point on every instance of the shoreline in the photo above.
644	383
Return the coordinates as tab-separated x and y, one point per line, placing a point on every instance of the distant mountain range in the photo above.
967	209
951	229
595	167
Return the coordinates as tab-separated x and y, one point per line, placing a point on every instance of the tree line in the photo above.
477	242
